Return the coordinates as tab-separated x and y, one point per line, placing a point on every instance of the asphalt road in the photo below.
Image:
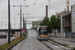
30	43
5	40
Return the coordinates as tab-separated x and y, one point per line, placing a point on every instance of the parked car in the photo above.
3	36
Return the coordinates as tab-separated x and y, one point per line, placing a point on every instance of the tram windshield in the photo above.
43	31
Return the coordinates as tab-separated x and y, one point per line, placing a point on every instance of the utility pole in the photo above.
20	16
20	19
1	25
5	26
14	23
8	21
23	19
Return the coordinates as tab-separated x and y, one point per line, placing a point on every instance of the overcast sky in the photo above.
36	9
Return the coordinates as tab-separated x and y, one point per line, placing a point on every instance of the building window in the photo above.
33	24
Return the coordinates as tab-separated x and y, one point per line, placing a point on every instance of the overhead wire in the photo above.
26	8
35	2
32	8
49	2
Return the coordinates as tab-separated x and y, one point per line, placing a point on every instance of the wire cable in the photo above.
35	2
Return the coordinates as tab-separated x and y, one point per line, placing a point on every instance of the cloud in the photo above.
34	10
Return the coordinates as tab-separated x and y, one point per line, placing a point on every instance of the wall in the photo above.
73	17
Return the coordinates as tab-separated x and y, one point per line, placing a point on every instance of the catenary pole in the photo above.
8	21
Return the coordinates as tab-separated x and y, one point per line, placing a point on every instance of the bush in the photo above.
73	49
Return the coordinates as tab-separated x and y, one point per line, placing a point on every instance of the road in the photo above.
30	43
5	40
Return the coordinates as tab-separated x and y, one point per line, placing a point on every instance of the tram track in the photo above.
47	46
65	48
54	46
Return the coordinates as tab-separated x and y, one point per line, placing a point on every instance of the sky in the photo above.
37	8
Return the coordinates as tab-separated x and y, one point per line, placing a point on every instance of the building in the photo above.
68	22
65	23
35	24
58	15
73	18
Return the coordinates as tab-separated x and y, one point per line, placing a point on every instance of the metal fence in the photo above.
70	35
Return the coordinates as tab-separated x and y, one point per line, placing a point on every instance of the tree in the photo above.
58	23
45	21
53	21
50	26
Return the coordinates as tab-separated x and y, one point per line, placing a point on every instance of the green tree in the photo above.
53	21
50	26
58	23
45	21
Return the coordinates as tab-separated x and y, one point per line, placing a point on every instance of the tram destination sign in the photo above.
43	27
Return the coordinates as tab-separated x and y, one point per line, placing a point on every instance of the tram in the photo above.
42	33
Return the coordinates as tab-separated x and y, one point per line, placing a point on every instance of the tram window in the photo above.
44	32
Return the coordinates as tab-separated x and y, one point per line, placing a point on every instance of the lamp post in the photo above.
8	21
20	16
1	25
6	26
24	22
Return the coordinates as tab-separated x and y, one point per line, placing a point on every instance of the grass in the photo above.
6	45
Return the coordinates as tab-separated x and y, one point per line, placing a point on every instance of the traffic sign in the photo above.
23	29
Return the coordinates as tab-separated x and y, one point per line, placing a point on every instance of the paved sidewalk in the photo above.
67	41
5	40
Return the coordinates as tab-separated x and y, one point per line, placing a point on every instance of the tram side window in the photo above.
39	32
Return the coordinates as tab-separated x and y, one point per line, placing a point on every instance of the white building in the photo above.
35	24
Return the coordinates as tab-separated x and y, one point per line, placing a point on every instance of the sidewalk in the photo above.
66	41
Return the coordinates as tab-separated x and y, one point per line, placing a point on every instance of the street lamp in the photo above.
6	26
8	21
1	25
20	16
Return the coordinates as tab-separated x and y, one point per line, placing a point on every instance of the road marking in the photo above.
31	46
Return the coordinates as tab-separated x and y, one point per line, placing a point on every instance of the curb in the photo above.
14	44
